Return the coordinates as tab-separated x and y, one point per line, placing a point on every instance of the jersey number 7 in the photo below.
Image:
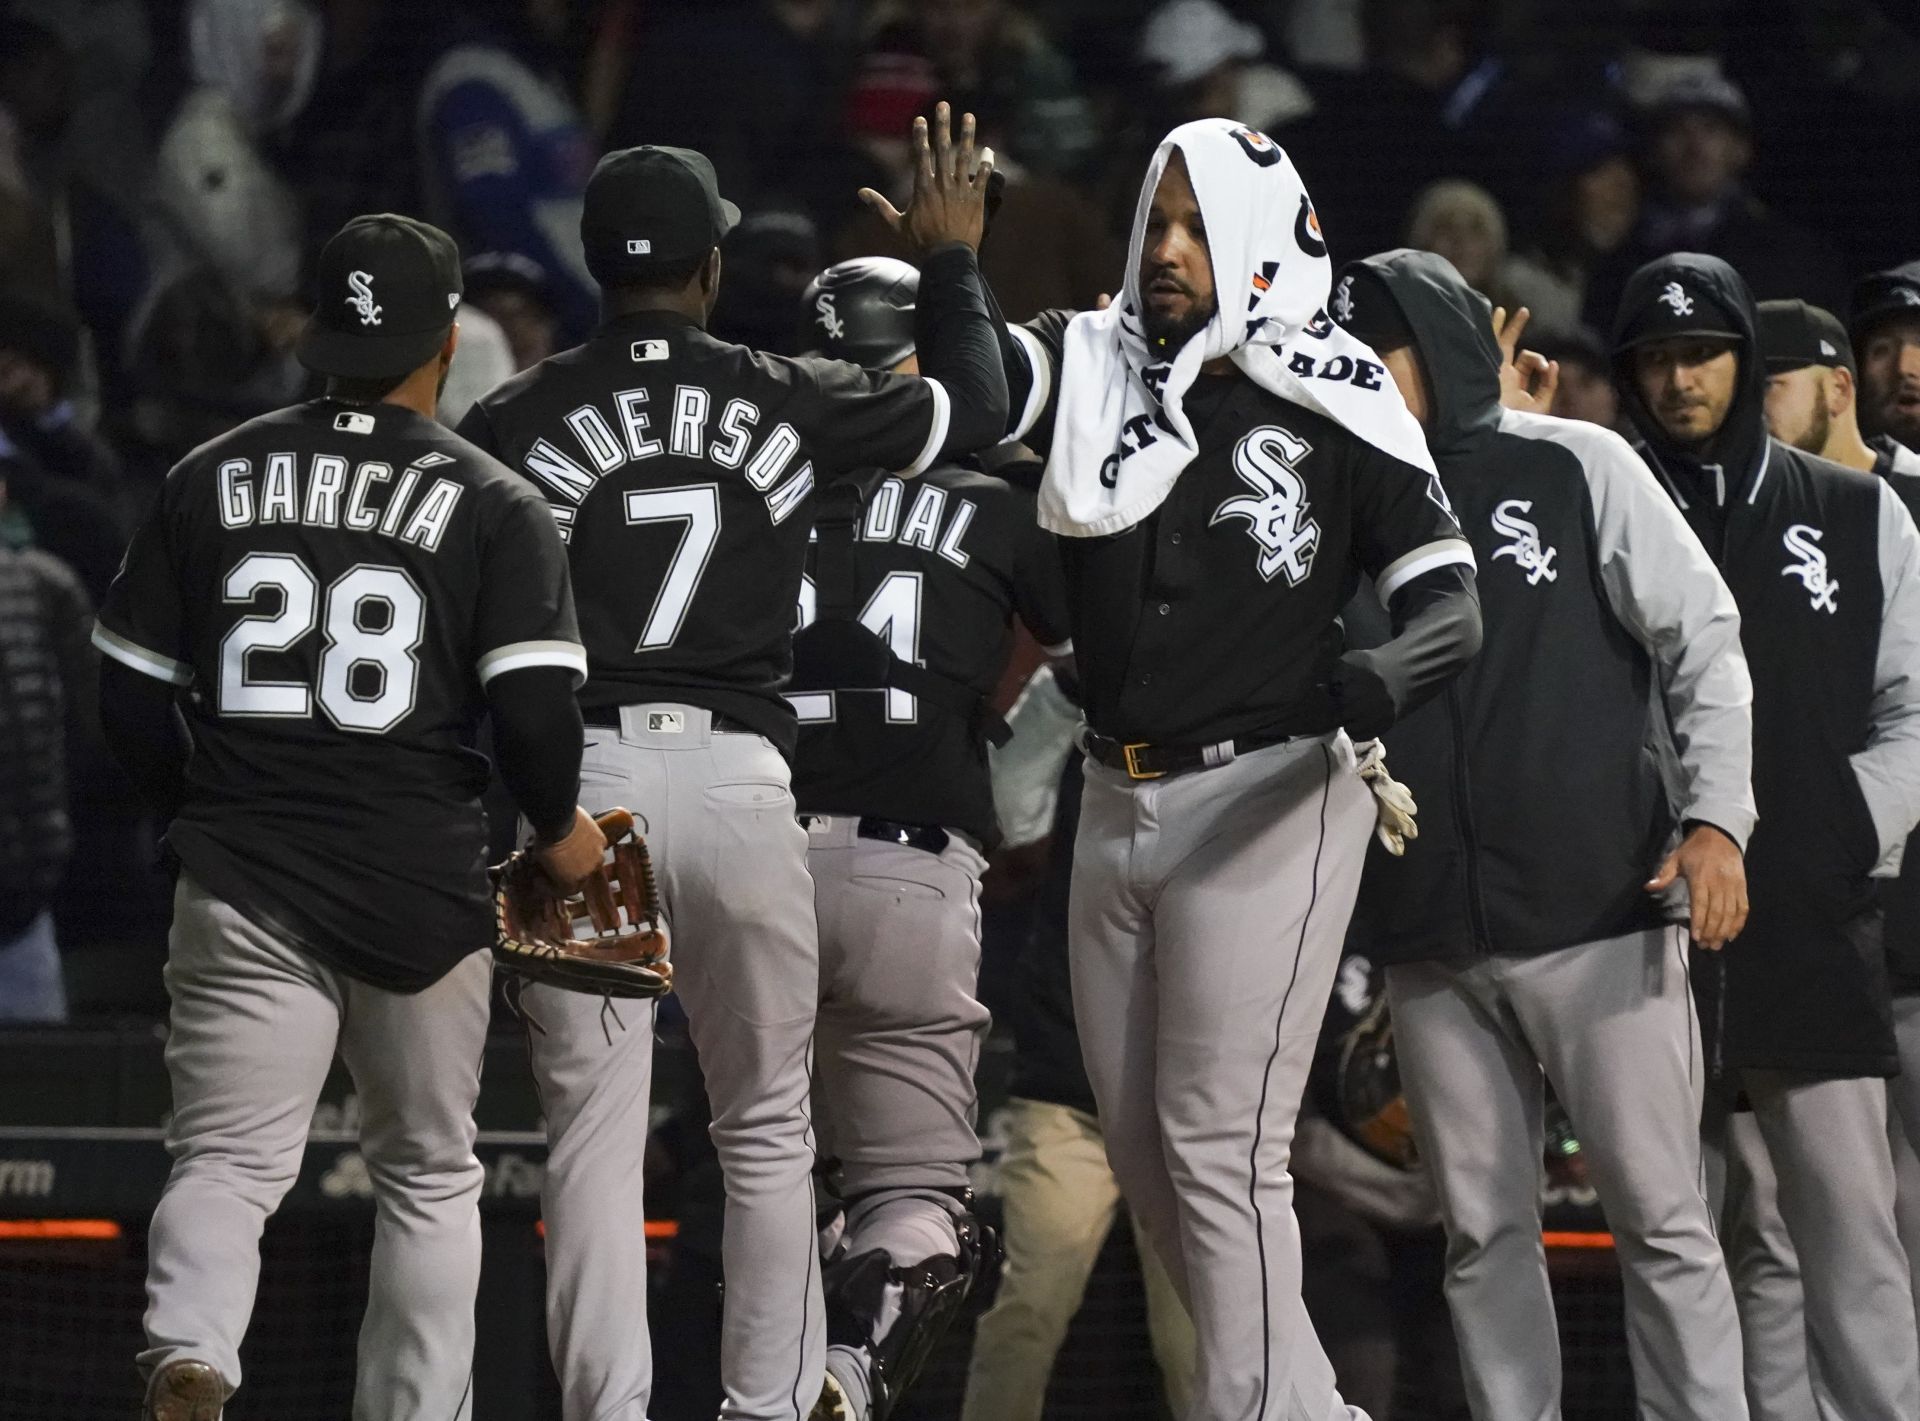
697	506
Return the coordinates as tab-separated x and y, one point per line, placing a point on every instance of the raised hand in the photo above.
1527	378
949	202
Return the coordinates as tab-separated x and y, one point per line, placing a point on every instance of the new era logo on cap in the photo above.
1827	348
639	247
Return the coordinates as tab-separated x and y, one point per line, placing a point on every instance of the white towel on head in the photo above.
1118	446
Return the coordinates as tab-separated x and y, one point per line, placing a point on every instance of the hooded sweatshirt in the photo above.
1542	806
1824	562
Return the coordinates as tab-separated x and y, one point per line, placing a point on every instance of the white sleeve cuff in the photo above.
1422	560
535	653
936	436
1039	386
147	663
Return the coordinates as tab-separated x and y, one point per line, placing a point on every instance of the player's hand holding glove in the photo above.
1392	801
599	874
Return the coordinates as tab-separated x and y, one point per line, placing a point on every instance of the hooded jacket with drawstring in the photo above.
1542	805
1824	562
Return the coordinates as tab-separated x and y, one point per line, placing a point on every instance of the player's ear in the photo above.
710	275
450	344
1841	390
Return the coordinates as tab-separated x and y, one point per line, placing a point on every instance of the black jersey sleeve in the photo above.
1032	355
1040	584
142	624
525	613
1403	525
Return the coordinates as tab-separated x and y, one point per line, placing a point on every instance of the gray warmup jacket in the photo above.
1543	809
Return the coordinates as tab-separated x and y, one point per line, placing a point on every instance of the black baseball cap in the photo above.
384	298
1367	310
650	207
1882	294
1683	306
1795	334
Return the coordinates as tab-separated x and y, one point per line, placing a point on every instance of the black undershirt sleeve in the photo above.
537	737
145	733
1436	632
959	345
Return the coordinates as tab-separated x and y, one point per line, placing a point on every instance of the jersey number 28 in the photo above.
373	618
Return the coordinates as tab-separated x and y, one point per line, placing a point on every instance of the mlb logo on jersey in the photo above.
352	422
649	350
666	722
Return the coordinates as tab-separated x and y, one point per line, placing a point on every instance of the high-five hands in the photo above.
949	202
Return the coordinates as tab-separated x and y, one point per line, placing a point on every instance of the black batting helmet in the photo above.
861	310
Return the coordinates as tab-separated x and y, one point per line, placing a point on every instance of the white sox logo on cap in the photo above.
1526	550
1677	299
1803	541
1277	514
360	284
1343	300
830	320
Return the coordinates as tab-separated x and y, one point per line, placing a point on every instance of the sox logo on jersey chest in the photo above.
1266	459
1803	541
1526	550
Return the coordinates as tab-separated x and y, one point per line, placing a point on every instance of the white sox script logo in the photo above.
1676	297
830	320
1525	549
1804	543
1277	513
360	283
1343	300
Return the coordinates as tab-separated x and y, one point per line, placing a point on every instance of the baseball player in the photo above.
1825	567
332	596
1884	318
1225	463
1522	936
684	473
906	626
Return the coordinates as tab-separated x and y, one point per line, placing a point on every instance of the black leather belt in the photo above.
1141	761
608	718
930	838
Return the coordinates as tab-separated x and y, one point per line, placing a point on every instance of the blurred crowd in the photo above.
170	168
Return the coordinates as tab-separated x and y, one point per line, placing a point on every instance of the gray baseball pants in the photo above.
718	816
1903	1098
1765	1269
1826	1141
1612	1024
1206	924
254	1025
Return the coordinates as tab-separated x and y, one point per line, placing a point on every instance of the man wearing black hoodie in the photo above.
1825	565
1520	933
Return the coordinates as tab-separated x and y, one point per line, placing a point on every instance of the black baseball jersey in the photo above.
941	566
1218	614
333	585
682	471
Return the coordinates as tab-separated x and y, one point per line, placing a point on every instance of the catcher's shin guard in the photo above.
895	1315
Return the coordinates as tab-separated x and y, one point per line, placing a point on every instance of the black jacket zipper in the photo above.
1463	824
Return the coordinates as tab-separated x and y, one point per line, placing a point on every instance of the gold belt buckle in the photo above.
1134	772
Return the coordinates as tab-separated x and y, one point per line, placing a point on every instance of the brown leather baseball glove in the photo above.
624	951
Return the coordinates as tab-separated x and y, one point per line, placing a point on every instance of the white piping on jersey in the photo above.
1766	461
1039	386
1444	552
515	655
937	436
148	663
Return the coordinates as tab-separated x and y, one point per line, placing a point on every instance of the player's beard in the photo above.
446	369
1814	441
1167	334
